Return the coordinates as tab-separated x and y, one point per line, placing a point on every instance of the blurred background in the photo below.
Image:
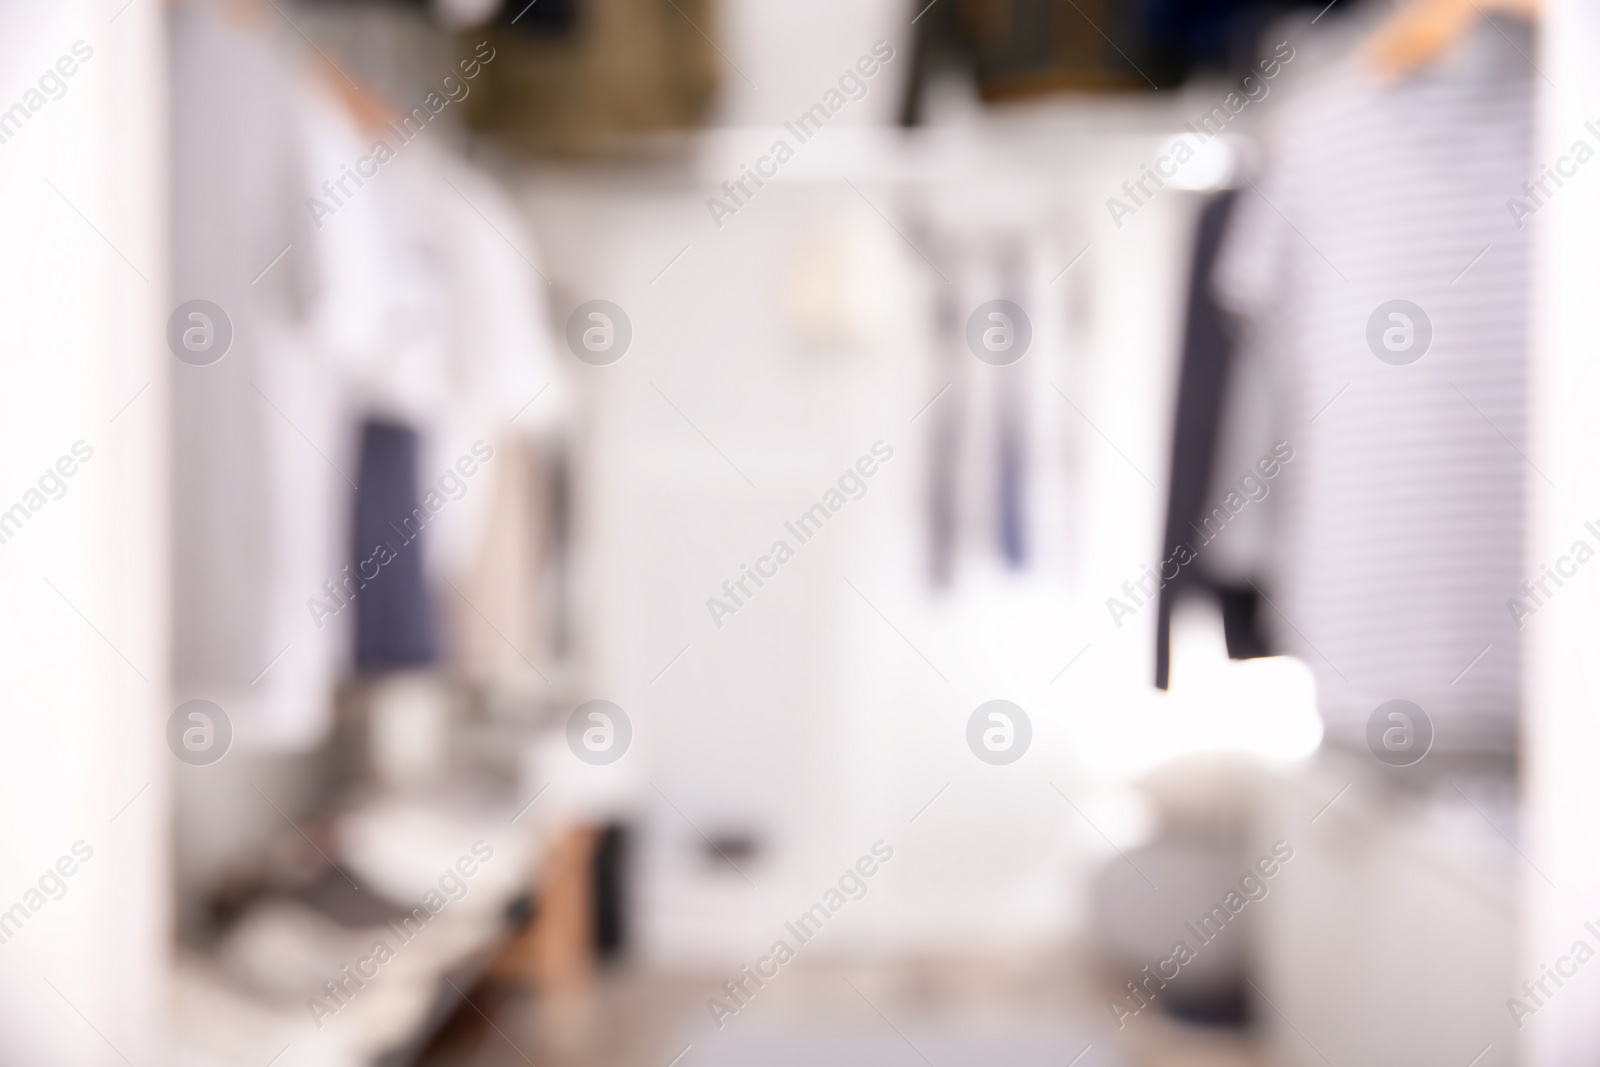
692	533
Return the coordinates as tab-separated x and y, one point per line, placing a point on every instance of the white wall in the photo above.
1562	730
83	651
806	718
780	57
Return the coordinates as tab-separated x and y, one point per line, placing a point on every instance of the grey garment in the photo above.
1402	510
238	191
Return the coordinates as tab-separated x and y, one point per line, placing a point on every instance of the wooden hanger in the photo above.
369	109
1421	31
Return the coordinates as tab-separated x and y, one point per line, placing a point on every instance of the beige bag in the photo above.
625	67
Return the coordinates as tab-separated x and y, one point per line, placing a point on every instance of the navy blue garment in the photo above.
394	614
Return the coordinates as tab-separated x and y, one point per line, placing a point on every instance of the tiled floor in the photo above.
1044	1010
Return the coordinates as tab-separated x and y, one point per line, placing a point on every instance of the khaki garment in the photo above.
505	634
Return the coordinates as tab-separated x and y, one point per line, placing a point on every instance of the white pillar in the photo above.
1562	641
83	572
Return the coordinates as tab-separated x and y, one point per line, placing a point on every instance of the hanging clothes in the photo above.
944	447
258	494
409	300
394	612
994	434
436	315
1403	509
508	634
1207	364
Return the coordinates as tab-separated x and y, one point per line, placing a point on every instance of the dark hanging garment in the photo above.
1208	342
944	463
394	614
1013	484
